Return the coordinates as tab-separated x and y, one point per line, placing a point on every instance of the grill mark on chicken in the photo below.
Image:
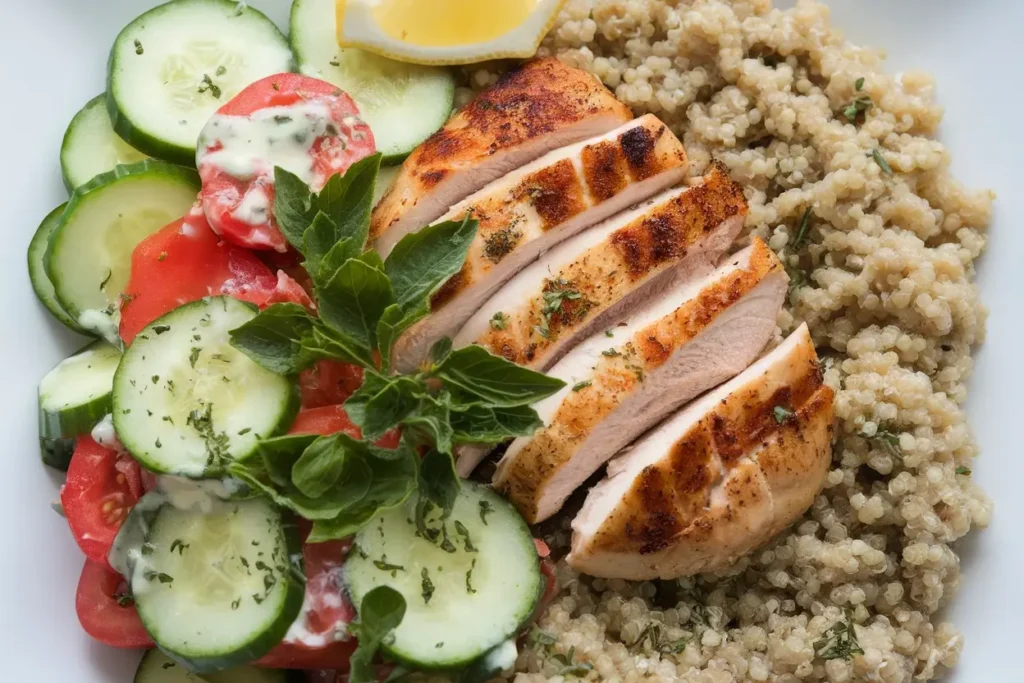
556	193
605	170
638	145
741	433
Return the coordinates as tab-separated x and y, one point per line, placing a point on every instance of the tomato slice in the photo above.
334	419
329	383
186	261
104	610
306	125
101	488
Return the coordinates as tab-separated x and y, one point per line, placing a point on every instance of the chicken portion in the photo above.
731	470
541	106
622	382
583	285
539	205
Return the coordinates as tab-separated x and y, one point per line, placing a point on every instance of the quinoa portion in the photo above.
847	183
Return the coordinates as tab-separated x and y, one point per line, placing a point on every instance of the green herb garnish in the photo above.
839	642
498	321
876	154
782	414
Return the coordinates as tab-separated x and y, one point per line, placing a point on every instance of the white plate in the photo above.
55	53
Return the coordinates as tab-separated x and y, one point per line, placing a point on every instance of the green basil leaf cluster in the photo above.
380	613
364	303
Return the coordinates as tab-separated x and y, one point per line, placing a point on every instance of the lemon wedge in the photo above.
446	31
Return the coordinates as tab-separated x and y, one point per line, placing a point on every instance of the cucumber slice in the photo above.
171	68
385	178
402	103
217	589
460	603
187	402
92	147
41	284
90	250
156	667
57	452
75	394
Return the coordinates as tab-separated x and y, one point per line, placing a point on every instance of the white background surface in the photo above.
54	54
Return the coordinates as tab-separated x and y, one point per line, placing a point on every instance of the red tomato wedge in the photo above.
303	124
186	261
329	383
319	640
104	610
101	488
333	419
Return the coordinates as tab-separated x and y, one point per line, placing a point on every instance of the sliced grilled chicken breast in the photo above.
539	205
585	283
717	480
541	106
622	382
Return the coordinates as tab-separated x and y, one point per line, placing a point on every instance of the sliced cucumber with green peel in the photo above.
171	68
91	146
56	452
187	402
467	591
41	284
89	255
216	589
402	103
76	394
156	667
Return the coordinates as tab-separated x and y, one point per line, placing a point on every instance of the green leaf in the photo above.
483	424
355	405
441	349
423	261
333	260
393	479
392	404
293	206
495	380
348	200
280	453
331	463
438	481
274	338
252	473
380	612
355	299
430	422
393	322
318	240
327	343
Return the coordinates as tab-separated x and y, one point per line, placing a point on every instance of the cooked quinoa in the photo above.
847	183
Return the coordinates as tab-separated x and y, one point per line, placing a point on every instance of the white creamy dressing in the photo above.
299	634
102	323
502	657
250	146
254	208
103	434
201	494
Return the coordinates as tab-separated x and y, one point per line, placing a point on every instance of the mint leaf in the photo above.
317	241
354	299
355	406
274	338
329	461
280	453
392	404
423	261
438	482
430	422
495	380
380	613
327	343
393	322
334	259
348	200
293	206
483	424
252	473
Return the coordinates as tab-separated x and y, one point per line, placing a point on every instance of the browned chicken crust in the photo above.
532	101
617	375
738	475
605	273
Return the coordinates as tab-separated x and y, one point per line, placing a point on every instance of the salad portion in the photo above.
255	489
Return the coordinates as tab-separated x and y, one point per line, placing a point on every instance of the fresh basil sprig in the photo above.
380	613
463	396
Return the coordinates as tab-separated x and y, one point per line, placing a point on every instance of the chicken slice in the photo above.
539	205
585	283
715	481
622	382
541	106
